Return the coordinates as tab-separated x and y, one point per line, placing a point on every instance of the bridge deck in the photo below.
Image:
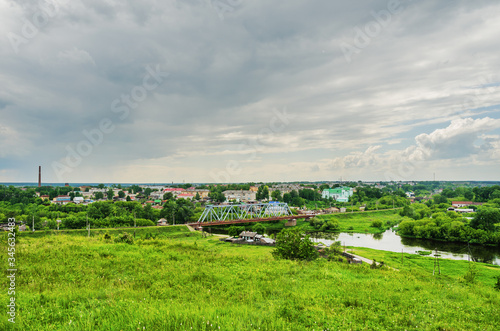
267	219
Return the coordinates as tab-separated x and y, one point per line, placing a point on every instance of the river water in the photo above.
390	241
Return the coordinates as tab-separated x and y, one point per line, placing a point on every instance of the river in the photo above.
390	241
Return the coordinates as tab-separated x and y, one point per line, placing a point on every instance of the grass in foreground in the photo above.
188	282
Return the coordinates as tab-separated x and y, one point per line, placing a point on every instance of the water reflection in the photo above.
390	241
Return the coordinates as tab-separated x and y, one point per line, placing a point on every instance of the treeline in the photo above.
99	214
422	222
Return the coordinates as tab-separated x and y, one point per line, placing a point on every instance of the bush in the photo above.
497	285
376	224
259	228
125	238
471	274
331	225
107	236
290	245
150	236
234	231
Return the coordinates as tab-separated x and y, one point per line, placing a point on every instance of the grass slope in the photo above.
181	281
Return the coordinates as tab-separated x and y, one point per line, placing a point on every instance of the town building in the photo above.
340	194
240	195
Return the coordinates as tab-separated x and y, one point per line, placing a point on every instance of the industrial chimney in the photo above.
39	176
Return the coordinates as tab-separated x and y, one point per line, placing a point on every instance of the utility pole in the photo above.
436	264
468	252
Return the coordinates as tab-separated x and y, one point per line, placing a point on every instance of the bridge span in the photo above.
246	213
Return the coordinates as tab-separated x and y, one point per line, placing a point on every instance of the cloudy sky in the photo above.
240	90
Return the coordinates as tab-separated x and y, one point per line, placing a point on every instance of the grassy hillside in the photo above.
181	281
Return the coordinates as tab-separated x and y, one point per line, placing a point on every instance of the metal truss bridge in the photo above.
245	213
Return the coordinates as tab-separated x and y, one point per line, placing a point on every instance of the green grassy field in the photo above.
181	281
360	222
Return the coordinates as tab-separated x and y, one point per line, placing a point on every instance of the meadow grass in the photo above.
181	281
360	222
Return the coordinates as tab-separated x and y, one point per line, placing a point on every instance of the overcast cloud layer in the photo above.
239	90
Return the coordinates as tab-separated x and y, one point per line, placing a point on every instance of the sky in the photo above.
207	91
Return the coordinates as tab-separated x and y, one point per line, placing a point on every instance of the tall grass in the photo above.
181	281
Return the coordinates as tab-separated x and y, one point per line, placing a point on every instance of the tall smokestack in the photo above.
39	176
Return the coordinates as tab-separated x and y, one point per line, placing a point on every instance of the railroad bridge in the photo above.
245	213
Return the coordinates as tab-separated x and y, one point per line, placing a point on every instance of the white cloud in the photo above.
76	56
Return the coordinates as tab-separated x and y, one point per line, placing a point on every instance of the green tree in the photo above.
439	199
110	194
276	195
262	192
290	245
259	228
168	196
485	219
99	195
234	231
121	194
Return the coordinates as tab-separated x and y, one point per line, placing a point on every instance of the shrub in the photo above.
125	238
150	236
234	231
290	245
471	274
376	224
497	285
107	236
259	228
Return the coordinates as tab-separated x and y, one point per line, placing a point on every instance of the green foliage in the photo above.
376	224
262	192
290	245
259	228
451	227
497	285
234	231
125	237
471	275
335	249
485	219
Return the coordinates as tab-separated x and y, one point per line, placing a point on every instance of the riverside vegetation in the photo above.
171	279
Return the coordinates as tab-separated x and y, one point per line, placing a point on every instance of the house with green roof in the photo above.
340	194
